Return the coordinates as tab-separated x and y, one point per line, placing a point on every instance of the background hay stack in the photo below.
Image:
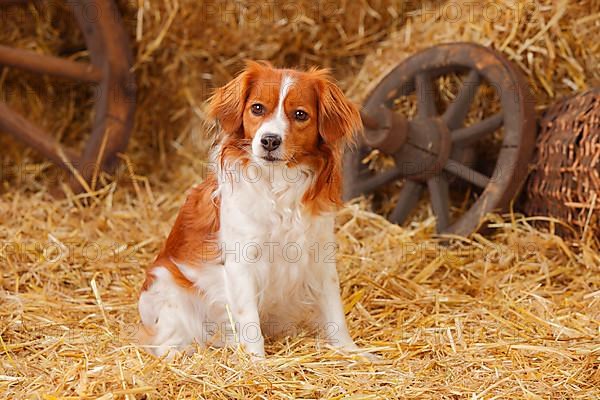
513	315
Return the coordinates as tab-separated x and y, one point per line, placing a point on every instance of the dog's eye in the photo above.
257	109
300	115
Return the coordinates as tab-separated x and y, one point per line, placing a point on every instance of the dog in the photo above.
251	253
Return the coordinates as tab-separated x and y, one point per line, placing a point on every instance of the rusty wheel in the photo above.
109	68
433	151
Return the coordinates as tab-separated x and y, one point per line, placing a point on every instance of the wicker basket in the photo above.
565	181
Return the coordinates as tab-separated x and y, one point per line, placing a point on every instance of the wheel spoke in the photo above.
466	173
407	201
440	201
370	184
50	65
425	96
477	131
25	131
457	111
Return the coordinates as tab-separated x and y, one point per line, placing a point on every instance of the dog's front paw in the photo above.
357	352
372	357
257	359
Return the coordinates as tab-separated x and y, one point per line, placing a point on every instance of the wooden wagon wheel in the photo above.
110	69
429	149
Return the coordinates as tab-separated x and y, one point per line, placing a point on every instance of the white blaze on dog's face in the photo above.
280	115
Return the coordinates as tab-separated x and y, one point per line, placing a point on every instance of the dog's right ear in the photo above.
226	105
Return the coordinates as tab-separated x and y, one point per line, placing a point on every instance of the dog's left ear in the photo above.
338	116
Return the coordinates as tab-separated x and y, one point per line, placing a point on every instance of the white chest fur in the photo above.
266	229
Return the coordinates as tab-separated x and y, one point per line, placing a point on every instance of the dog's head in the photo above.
282	114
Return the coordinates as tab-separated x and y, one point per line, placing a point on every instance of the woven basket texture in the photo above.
565	181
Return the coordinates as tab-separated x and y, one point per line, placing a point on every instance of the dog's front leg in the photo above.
333	320
241	287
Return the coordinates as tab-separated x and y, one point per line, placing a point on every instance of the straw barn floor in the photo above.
513	314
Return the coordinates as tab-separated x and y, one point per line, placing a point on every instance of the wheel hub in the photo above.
427	149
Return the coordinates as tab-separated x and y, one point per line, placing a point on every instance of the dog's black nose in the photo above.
270	141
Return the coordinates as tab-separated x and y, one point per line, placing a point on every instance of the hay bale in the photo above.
553	42
183	50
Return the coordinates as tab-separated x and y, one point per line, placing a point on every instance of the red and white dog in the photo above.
250	253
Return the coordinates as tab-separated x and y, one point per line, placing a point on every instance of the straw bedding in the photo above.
515	314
